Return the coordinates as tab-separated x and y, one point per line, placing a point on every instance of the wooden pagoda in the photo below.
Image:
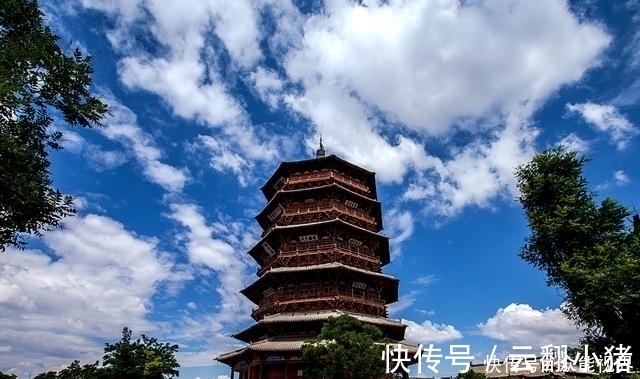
320	255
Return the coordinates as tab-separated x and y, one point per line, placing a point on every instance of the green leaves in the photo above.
37	80
584	247
145	358
345	348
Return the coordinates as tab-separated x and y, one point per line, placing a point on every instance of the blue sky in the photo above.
442	99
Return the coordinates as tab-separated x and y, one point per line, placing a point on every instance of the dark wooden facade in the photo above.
320	255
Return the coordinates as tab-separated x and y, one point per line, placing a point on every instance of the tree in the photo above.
585	248
345	348
75	371
7	376
37	82
145	358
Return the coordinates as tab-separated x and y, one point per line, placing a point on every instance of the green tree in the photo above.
7	376
75	371
584	248
38	82
145	358
345	348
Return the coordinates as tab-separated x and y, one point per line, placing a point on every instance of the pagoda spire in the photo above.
320	151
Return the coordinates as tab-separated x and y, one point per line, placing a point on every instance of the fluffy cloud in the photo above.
364	68
122	127
399	225
218	250
520	324
574	143
607	119
98	278
430	332
97	157
620	178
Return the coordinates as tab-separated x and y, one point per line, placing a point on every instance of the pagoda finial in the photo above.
320	151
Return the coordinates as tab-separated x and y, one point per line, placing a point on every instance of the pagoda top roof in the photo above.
310	164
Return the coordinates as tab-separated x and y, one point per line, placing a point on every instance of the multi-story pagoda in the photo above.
320	255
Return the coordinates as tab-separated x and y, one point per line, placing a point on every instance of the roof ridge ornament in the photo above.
320	152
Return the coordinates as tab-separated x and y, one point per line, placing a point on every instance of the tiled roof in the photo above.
322	186
280	227
323	315
325	266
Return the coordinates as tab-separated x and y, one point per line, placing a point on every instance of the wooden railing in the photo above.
326	205
268	305
320	247
324	175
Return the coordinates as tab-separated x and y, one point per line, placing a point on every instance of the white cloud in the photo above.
501	54
100	278
268	85
399	225
426	280
607	119
122	127
97	158
574	143
375	76
404	301
520	324
476	173
620	178
377	81
429	332
219	249
185	72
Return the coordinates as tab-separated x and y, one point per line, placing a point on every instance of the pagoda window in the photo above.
309	200
351	204
276	212
308	238
355	242
268	292
279	184
328	290
268	249
359	285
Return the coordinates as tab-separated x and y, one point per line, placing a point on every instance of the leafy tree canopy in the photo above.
585	248
75	371
145	358
345	348
38	82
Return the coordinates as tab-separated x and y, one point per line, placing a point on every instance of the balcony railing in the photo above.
302	249
269	305
328	205
325	175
